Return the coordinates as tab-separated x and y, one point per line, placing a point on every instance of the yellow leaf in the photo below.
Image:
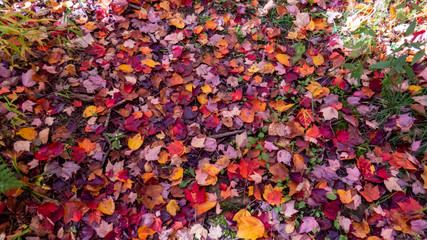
89	111
172	207
318	59
250	228
241	213
107	206
253	69
283	59
135	142
178	22
28	133
206	88
150	63
317	90
177	174
126	68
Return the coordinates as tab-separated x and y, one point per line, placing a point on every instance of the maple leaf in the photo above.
283	59
370	192
87	145
195	195
273	195
305	117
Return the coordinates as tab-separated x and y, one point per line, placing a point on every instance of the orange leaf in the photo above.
135	142
370	193
299	162
144	232
107	206
87	145
247	115
306	70
176	79
211	24
28	133
258	105
305	117
361	229
203	207
283	59
281	105
250	228
345	196
424	176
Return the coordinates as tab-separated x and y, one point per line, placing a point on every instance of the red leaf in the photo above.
195	195
51	211
176	148
96	49
237	95
305	117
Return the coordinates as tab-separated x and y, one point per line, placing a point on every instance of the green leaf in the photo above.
411	28
381	65
416	7
417	56
265	156
401	5
398	63
331	196
184	183
364	30
409	72
252	140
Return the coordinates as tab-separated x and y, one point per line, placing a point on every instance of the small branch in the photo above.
221	135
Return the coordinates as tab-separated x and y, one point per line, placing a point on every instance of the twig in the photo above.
82	97
221	135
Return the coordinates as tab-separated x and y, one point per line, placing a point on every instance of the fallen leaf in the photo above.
250	228
283	59
135	142
28	133
107	206
172	207
370	192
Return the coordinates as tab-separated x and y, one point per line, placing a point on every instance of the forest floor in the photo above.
213	119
